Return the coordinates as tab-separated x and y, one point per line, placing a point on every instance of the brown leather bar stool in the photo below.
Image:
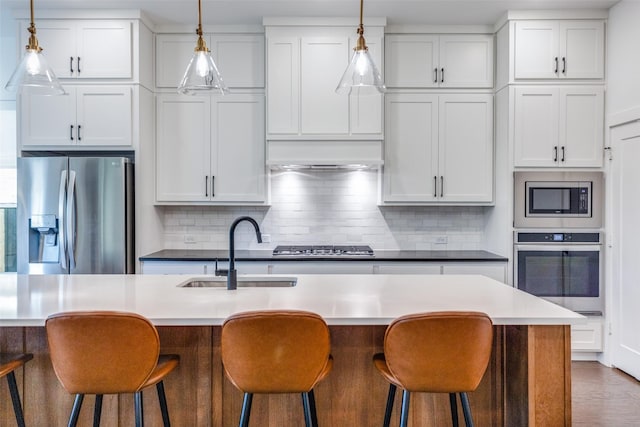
108	352
439	352
282	351
8	364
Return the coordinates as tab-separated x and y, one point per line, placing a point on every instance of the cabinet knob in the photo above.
435	75
562	149
435	186
71	64
71	132
555	153
556	70
78	133
564	65
78	65
441	75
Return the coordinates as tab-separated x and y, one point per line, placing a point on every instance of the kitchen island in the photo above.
528	381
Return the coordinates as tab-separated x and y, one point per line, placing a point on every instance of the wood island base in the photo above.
528	382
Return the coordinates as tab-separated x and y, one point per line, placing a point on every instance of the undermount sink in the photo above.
243	282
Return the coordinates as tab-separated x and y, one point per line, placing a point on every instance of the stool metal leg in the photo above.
312	406
97	411
15	398
246	410
390	398
404	417
466	409
75	411
163	404
454	409
137	399
308	421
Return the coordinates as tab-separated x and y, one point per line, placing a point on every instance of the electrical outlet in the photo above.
266	238
189	238
440	240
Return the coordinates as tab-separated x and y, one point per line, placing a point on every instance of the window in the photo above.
8	186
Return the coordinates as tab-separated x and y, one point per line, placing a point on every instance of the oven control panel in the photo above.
556	237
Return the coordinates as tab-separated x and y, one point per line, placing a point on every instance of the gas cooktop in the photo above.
322	250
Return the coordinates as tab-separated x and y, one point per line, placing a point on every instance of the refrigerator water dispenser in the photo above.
43	239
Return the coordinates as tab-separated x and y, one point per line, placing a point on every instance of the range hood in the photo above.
324	153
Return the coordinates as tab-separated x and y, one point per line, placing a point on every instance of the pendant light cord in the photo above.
199	30
33	41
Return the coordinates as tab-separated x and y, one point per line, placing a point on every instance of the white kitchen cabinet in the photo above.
199	267
439	61
303	70
239	57
559	126
88	116
587	337
210	149
94	48
495	270
566	49
439	148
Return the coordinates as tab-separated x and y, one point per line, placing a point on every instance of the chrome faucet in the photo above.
231	273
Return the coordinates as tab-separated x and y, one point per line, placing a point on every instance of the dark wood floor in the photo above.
604	397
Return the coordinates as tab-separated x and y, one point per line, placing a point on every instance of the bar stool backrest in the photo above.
439	352
280	351
102	352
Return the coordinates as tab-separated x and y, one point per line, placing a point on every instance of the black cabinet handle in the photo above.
78	65
435	75
213	186
71	132
564	65
79	138
206	186
71	64
555	153
441	75
441	186
435	186
556	70
562	158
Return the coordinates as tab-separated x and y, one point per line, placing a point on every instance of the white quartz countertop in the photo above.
374	299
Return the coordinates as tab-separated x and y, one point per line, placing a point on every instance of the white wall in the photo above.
328	207
623	58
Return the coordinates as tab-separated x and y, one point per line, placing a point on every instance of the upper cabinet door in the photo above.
366	111
237	149
283	88
47	120
536	126
581	121
104	49
466	61
411	60
466	148
536	50
240	59
173	53
183	144
582	49
550	49
58	42
104	115
411	148
323	61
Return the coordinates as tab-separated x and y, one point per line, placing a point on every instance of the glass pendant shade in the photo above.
361	76
34	73
202	75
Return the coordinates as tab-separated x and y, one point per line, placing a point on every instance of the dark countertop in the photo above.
266	255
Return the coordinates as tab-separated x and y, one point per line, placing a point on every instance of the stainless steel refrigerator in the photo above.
75	215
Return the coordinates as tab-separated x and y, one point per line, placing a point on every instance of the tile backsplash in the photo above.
327	207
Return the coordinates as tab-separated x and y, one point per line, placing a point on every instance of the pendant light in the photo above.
361	76
202	75
33	71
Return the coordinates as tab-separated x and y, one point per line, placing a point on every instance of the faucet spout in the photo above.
232	275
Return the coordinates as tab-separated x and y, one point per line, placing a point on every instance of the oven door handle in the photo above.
550	247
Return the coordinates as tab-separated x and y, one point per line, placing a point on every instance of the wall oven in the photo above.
558	200
564	268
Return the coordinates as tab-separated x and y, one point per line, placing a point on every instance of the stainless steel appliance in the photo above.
323	250
75	215
565	268
558	200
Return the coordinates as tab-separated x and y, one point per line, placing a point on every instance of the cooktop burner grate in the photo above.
319	250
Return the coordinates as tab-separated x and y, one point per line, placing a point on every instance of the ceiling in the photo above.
431	12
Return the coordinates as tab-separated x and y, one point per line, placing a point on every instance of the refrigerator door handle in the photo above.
62	195
71	220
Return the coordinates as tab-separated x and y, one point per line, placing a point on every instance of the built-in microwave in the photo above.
558	200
